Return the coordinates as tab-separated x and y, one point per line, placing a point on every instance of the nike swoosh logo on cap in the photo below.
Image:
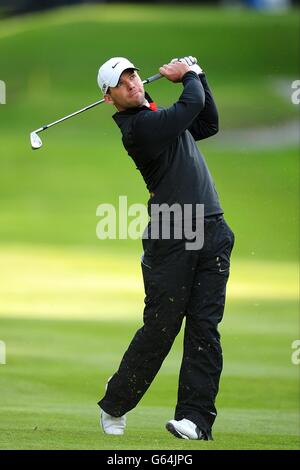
113	66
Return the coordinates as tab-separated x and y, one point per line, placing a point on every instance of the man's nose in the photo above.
130	85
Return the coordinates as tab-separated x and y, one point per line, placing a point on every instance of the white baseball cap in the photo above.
110	72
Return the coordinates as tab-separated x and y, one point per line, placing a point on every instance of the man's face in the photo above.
129	93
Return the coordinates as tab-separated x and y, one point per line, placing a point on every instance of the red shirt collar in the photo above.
153	106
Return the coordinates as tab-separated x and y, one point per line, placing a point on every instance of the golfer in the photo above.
179	282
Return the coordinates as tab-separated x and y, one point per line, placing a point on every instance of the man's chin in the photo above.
137	100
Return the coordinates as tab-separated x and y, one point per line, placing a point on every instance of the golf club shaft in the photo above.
148	80
153	78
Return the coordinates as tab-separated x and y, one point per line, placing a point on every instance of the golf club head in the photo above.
36	142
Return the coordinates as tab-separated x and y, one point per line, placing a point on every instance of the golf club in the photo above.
36	141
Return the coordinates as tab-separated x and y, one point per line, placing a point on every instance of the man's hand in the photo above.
174	72
191	61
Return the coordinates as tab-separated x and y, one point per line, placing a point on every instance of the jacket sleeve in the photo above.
154	131
206	123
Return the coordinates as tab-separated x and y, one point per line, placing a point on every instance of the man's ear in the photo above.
108	99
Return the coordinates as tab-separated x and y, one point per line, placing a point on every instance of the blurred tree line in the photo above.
12	7
24	6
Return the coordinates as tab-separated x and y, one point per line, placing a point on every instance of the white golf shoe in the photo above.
111	424
184	429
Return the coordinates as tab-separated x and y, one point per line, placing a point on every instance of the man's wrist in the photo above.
190	74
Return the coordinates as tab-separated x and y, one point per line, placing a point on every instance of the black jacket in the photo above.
162	145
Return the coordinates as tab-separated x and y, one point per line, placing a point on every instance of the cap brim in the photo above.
117	74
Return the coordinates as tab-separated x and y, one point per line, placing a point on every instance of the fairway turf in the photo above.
56	372
56	369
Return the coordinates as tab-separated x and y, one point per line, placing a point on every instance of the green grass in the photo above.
51	197
56	371
72	283
242	52
67	316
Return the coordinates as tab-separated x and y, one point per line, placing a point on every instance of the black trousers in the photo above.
179	283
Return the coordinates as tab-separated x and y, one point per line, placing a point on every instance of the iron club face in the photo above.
36	142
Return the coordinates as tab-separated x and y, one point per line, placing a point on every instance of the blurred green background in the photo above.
69	303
